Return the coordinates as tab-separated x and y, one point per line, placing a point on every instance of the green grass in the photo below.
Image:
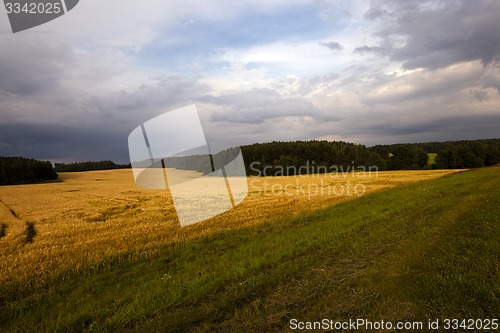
424	251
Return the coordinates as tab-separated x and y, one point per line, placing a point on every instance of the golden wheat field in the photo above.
91	216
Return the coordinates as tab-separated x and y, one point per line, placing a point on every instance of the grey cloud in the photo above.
168	91
479	94
334	46
424	90
370	49
5	146
474	126
451	32
142	103
374	13
491	78
306	85
29	67
63	143
398	129
259	105
88	127
482	126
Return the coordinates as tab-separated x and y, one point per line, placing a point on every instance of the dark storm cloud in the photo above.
421	130
93	127
162	94
63	143
470	126
397	128
165	94
440	33
480	125
334	46
29	67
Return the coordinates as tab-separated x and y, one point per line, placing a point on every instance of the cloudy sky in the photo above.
381	71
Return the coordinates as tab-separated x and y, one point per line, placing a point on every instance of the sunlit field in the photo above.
91	215
96	253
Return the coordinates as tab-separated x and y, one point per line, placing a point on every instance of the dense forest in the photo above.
449	155
279	158
291	158
299	157
19	170
88	166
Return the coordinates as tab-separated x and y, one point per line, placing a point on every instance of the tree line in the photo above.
448	155
20	170
88	166
305	157
317	156
290	158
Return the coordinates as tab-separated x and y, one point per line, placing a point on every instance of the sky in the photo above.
368	72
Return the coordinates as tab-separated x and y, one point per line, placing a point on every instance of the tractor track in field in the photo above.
11	211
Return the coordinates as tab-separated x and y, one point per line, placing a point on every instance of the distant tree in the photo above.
403	158
468	158
88	166
452	154
457	154
421	157
449	158
19	170
300	154
492	156
374	159
287	164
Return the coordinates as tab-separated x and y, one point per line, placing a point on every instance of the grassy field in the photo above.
107	256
